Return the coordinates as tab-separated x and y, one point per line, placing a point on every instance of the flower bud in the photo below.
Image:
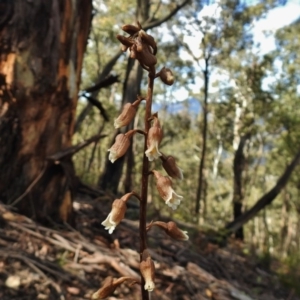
130	29
109	286
126	116
165	190
133	52
154	138
166	76
171	230
139	44
169	164
148	39
145	57
148	271
125	40
107	289
119	148
115	216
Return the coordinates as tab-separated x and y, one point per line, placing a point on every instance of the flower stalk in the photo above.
142	47
145	177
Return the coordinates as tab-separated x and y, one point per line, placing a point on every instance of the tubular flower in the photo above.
148	271
117	213
171	230
119	148
170	166
127	114
154	138
165	190
109	286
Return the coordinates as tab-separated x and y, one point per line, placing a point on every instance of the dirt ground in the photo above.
62	263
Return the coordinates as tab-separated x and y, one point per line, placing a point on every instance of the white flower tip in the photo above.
185	235
172	205
174	202
112	157
110	229
153	153
117	124
149	286
108	224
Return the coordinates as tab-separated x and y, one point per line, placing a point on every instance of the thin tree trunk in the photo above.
265	199
111	176
41	52
284	221
238	195
204	138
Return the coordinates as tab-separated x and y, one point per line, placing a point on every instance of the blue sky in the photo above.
275	19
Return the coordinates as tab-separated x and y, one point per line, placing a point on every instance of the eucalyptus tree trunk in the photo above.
201	181
42	44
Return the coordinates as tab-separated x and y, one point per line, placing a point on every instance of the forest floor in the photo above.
62	263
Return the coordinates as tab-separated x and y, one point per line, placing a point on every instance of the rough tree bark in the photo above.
42	44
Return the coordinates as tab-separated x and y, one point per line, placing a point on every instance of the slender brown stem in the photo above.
137	196
145	173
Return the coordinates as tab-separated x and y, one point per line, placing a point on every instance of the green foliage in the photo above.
289	273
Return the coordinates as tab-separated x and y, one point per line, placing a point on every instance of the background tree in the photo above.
42	45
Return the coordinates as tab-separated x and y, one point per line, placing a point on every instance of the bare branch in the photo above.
74	149
98	104
265	199
107	81
166	18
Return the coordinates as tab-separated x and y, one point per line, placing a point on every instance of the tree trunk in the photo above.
41	52
265	199
238	195
111	176
201	179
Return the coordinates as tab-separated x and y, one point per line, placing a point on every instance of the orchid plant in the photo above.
142	47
